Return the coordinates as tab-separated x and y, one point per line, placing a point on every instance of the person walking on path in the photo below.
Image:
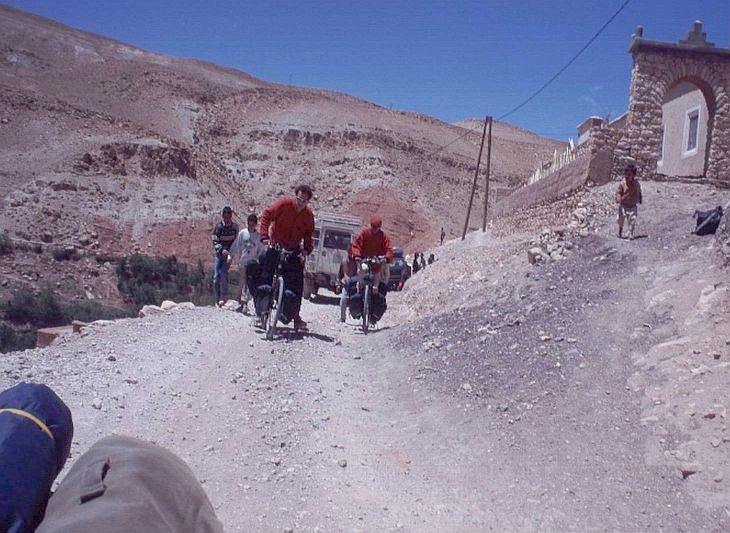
289	222
628	196
247	248
224	234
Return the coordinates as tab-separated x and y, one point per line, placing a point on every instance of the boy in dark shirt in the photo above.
224	234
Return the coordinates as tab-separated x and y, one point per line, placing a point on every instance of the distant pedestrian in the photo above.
443	236
422	261
431	259
224	234
628	196
416	263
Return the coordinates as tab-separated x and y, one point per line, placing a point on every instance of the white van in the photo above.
333	233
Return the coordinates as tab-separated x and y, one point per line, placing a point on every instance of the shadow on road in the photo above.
288	333
371	331
321	299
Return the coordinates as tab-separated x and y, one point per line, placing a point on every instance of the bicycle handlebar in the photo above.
375	259
284	252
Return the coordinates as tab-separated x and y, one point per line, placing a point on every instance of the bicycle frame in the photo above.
366	279
273	312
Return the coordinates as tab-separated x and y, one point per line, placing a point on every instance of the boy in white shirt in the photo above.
247	248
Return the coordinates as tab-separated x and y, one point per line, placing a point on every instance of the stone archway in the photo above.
658	67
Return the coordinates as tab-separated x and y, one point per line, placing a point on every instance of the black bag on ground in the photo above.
707	221
124	484
36	429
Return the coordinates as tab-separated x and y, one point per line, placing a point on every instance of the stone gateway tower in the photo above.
678	122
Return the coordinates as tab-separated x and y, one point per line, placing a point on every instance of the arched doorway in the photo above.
682	86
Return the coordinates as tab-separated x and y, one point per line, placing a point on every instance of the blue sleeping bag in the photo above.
35	439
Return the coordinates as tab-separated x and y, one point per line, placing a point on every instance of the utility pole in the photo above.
476	175
486	191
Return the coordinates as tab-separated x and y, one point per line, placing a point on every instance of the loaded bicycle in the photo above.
272	311
366	287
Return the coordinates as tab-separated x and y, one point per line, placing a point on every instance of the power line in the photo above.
572	60
546	84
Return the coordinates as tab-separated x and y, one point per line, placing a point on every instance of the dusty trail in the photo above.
586	394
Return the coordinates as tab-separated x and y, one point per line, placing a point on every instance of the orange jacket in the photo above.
290	226
368	244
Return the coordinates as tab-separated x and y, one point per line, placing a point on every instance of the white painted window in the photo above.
691	131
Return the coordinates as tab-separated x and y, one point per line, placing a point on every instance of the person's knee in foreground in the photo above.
628	196
123	484
289	222
224	234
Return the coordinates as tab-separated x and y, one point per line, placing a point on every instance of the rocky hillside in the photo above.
110	149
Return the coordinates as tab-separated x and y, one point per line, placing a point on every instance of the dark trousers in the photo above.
294	281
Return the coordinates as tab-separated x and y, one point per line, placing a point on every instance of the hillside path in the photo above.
584	394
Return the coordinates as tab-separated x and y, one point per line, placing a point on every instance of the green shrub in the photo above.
90	310
12	340
40	310
26	312
150	280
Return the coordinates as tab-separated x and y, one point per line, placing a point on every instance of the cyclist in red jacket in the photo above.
372	241
293	226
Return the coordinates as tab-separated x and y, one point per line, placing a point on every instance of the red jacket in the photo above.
290	227
368	244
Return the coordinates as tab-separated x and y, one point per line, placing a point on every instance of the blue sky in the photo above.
449	59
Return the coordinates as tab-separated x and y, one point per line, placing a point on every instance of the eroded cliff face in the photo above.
107	149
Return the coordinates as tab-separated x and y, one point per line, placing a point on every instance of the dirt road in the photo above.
583	394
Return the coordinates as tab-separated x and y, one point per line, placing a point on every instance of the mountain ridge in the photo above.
147	148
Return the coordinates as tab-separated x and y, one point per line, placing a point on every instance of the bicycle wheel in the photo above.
277	296
366	308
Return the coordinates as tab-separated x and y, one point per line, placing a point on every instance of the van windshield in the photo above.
337	240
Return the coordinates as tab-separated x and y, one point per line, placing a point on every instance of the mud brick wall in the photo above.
552	187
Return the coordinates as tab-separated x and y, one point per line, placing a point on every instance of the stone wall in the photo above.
657	68
557	185
595	164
